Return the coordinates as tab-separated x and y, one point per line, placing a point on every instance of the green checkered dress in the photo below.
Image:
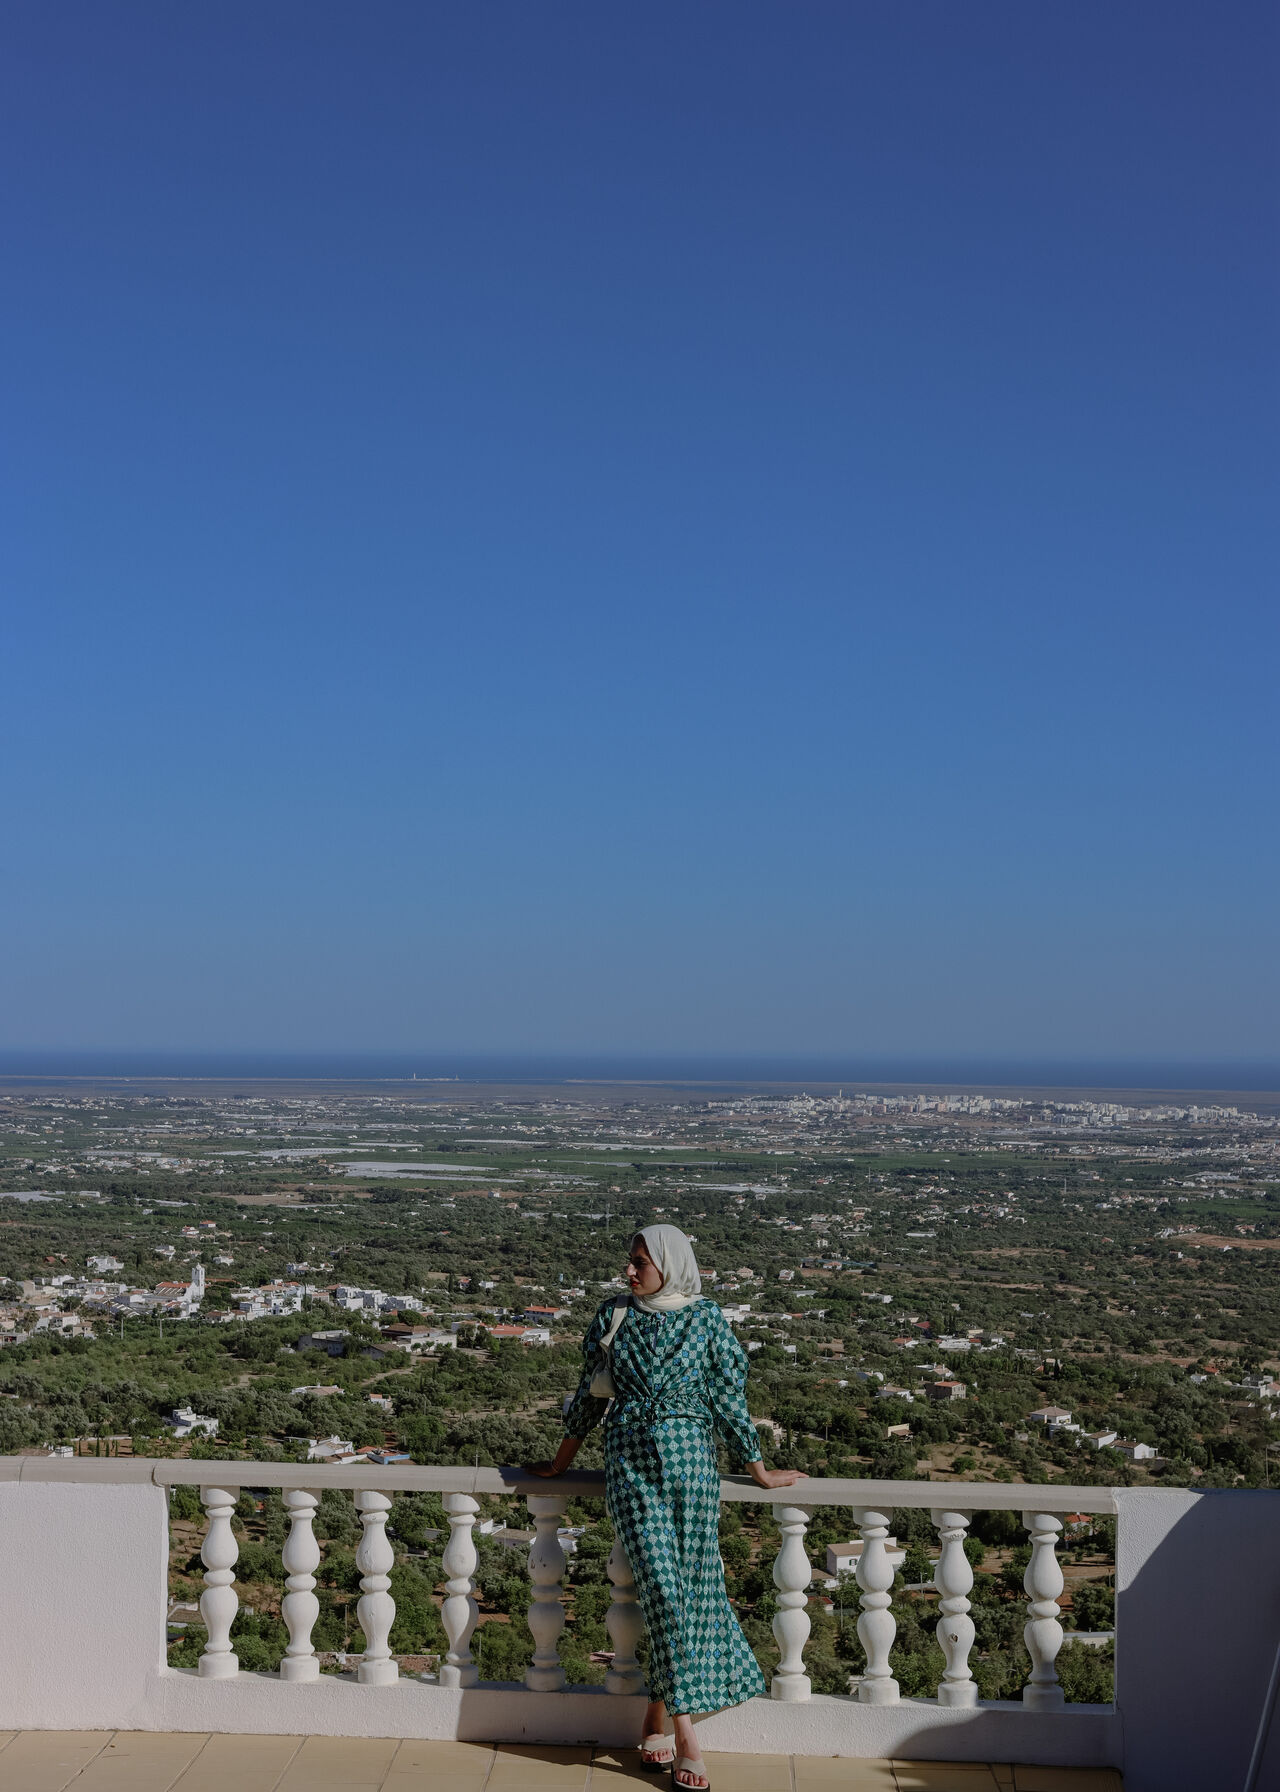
679	1378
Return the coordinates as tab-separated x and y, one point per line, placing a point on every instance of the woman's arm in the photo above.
727	1380
585	1411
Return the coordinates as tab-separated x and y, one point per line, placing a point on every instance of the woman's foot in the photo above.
690	1773
657	1750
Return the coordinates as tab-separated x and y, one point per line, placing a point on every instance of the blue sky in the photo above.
669	528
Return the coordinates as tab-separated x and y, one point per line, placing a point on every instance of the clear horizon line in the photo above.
644	1054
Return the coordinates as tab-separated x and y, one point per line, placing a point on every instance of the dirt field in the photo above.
1210	1241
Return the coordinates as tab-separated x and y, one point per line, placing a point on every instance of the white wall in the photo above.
83	1596
1198	1622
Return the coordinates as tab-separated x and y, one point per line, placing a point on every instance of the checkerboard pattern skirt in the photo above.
663	1494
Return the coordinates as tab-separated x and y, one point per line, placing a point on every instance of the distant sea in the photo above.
717	1068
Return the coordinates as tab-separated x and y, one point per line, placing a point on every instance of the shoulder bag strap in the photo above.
619	1314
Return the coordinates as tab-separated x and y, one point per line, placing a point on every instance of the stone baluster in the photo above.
376	1610
546	1611
1043	1632
300	1608
792	1574
625	1625
218	1602
459	1611
953	1578
877	1626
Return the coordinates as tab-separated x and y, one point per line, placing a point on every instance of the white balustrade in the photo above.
459	1611
376	1610
953	1578
792	1577
877	1626
218	1602
300	1608
546	1610
792	1574
625	1624
1043	1632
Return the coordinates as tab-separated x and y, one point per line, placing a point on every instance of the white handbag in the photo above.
602	1387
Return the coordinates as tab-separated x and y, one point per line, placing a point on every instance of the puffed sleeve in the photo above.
585	1411
726	1379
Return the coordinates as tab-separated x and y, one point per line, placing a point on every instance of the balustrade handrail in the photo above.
964	1496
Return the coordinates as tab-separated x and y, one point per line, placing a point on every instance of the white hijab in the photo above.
673	1255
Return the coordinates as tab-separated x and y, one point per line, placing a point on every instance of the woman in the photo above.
678	1373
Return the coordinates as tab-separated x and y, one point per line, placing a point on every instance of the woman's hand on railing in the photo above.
775	1477
569	1448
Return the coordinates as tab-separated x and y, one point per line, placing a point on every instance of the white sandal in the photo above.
650	1759
684	1764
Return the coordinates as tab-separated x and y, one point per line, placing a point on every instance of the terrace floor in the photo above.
145	1761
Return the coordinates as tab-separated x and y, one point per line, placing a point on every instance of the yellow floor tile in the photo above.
339	1764
47	1760
749	1773
534	1768
829	1773
1067	1779
442	1754
619	1767
140	1761
449	1766
144	1761
249	1763
944	1776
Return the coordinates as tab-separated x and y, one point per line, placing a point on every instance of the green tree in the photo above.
1093	1605
1087	1674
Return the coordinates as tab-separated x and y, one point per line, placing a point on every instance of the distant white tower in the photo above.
195	1291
